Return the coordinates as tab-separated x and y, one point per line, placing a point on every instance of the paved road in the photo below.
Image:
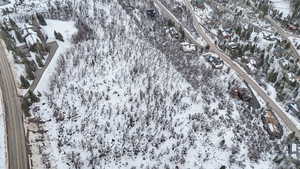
240	71
285	35
220	6
245	76
16	143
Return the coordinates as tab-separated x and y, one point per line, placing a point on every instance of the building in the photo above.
227	33
188	47
215	61
269	37
173	33
272	125
241	93
292	27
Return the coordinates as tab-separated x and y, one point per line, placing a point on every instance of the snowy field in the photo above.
67	28
3	150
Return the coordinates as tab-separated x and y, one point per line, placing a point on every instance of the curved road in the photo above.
240	71
245	76
16	142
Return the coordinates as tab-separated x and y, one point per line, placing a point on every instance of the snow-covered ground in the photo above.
117	102
5	4
67	28
3	148
64	27
272	93
283	6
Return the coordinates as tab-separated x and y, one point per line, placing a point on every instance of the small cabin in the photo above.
292	27
272	125
241	93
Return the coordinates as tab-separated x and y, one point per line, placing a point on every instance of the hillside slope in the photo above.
115	101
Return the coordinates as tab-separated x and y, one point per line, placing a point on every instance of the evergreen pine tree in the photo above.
58	36
24	82
39	61
33	97
288	45
25	106
41	19
19	36
29	72
272	76
13	23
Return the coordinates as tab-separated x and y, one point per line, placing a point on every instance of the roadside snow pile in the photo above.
3	150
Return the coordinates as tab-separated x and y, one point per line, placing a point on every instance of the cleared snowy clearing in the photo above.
67	29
